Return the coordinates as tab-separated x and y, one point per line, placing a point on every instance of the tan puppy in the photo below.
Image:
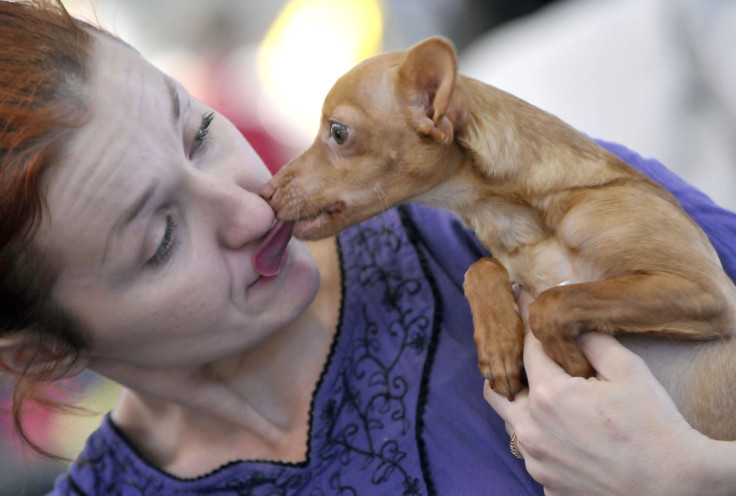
600	246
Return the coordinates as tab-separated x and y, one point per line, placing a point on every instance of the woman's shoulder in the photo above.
107	463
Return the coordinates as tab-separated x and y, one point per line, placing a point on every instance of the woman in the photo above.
148	224
130	228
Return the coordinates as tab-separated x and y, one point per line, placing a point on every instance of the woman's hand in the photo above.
618	433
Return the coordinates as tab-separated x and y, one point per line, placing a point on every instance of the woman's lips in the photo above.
269	257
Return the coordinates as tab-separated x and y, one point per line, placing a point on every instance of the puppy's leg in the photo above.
499	336
657	304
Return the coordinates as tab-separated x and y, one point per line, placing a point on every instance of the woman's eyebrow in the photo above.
129	215
136	207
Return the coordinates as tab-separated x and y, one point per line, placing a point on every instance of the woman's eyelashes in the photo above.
167	245
201	137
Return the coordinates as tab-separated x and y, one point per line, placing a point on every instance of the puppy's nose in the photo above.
267	190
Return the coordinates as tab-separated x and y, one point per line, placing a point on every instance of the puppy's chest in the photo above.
546	264
535	257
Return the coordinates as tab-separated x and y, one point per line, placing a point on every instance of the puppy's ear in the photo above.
426	81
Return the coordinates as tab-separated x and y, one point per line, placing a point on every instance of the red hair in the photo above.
43	72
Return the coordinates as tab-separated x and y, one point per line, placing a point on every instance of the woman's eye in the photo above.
166	246
339	133
201	137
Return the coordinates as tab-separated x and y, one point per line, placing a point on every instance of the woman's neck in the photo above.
254	405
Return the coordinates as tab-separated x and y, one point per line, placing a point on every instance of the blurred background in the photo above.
658	76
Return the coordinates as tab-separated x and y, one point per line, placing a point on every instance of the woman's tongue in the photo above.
268	257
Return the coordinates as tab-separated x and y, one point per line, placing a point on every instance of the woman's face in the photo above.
154	218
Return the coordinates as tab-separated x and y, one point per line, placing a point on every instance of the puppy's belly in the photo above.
697	375
667	358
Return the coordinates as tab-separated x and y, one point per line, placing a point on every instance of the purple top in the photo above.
398	409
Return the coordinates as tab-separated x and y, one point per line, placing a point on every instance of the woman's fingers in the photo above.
501	403
609	358
538	365
536	361
512	412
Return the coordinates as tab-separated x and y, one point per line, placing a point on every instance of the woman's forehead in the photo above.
117	66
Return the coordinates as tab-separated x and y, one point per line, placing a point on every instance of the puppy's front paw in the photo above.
550	324
501	365
499	336
567	353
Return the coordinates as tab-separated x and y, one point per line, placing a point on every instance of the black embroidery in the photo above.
378	413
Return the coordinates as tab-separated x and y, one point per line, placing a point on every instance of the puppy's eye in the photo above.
339	133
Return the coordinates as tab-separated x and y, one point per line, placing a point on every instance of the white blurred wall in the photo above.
658	76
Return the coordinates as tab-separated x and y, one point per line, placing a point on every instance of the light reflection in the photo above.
311	44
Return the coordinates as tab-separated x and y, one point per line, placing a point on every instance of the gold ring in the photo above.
514	448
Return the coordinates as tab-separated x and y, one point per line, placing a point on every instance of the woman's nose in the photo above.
238	215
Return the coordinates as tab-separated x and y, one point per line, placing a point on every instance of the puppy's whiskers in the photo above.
382	198
309	210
